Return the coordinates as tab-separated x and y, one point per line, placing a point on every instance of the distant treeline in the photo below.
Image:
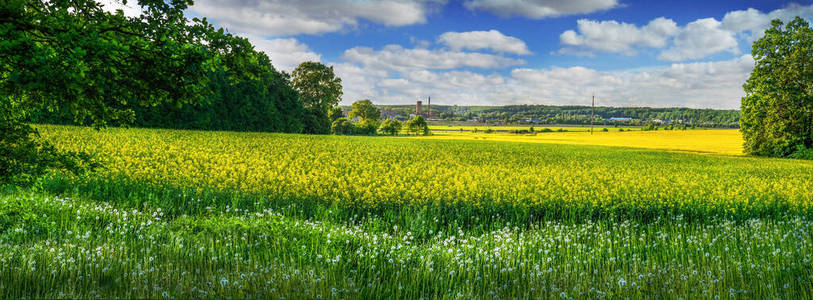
578	115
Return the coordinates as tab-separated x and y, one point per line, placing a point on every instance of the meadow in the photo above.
666	214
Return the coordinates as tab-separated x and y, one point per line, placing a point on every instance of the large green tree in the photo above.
74	57
319	90
365	110
777	110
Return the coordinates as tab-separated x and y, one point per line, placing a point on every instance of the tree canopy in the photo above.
777	110
74	57
365	110
390	126
417	125
319	90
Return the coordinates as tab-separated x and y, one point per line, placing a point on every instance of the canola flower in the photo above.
383	171
706	141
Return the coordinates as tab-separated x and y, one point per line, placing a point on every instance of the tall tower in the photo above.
429	107
418	108
593	113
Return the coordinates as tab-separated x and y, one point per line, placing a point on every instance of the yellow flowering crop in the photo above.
449	169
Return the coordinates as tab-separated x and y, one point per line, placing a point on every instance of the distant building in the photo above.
419	109
389	114
620	119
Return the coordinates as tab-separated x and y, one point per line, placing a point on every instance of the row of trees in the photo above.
576	115
73	62
366	120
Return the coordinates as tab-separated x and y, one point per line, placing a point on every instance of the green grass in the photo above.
63	247
733	227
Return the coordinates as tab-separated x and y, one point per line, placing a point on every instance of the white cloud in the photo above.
612	36
538	9
281	17
753	23
397	58
477	40
700	85
285	53
699	39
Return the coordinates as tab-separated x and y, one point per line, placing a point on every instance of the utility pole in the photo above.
593	113
429	108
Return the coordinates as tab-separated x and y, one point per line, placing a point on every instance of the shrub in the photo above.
802	153
341	126
391	127
365	127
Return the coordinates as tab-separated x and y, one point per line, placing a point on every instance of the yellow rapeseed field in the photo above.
714	141
444	170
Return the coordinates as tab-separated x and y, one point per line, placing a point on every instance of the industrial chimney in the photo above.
429	107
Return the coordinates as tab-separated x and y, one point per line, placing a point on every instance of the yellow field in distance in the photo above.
509	127
710	141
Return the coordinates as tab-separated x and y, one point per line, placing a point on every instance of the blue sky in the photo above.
497	52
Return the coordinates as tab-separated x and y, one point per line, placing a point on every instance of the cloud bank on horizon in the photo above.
500	52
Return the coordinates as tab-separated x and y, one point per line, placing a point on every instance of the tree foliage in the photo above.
245	93
74	57
365	127
319	90
335	113
777	110
341	126
390	126
365	110
417	125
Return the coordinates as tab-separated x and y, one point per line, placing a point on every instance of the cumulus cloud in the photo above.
612	36
281	17
397	58
699	39
538	9
477	40
700	85
752	23
285	53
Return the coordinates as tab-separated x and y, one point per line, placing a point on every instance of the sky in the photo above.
500	52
